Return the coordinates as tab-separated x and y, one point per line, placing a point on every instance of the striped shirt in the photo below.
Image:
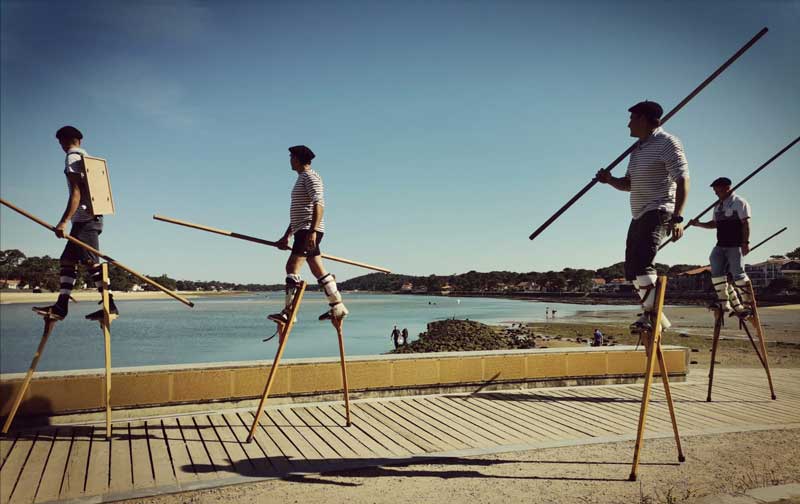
307	192
655	166
74	164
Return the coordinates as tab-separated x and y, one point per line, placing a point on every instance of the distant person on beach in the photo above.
658	180
395	336
405	336
547	313
598	338
307	224
731	219
553	313
86	227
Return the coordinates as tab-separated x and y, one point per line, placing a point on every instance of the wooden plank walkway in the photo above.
152	456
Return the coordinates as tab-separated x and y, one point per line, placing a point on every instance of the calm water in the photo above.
231	328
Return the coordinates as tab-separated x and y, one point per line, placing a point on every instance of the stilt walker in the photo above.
658	182
652	344
307	226
731	219
90	198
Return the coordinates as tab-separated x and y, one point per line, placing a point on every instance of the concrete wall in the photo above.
76	391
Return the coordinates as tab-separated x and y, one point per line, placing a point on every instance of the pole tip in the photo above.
191	305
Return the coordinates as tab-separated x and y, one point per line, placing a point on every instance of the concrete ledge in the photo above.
67	392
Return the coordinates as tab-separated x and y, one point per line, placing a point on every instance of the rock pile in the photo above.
466	335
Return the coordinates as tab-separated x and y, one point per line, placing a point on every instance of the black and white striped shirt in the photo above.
655	166
307	192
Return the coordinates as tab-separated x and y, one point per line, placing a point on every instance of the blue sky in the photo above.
446	132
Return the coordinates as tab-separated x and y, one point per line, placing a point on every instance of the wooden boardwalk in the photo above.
170	454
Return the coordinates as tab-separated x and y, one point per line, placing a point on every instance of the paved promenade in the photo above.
167	454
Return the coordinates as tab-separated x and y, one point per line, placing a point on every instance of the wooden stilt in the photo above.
760	349
756	321
718	320
283	332
652	342
105	325
49	323
337	323
668	393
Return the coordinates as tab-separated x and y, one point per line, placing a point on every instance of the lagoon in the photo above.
231	328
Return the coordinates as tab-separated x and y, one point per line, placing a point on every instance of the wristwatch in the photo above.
677	219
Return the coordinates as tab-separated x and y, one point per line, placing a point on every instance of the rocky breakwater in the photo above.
467	335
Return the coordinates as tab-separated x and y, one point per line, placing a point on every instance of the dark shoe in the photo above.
280	318
642	324
337	311
743	314
54	312
98	315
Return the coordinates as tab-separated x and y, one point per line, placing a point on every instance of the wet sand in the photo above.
780	323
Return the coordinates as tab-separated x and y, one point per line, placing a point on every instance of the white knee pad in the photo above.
742	287
646	288
328	284
292	283
721	287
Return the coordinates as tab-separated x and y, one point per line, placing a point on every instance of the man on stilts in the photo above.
306	223
86	227
732	221
658	180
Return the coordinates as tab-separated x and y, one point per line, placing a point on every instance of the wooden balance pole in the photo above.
283	336
262	241
105	325
652	342
100	254
337	323
49	323
664	119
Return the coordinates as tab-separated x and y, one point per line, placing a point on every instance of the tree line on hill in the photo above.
43	272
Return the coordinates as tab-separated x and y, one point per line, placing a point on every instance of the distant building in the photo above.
10	283
761	274
791	270
598	284
407	287
698	279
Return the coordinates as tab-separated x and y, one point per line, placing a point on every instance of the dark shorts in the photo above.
89	233
298	247
644	236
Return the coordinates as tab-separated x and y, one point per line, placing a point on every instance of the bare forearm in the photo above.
706	225
621	184
746	231
316	218
72	205
680	195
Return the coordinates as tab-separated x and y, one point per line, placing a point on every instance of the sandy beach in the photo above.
781	323
93	295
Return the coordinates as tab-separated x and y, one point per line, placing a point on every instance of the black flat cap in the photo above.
69	133
302	153
649	109
721	181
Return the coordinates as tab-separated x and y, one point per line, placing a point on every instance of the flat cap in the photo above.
649	109
721	181
69	133
302	153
